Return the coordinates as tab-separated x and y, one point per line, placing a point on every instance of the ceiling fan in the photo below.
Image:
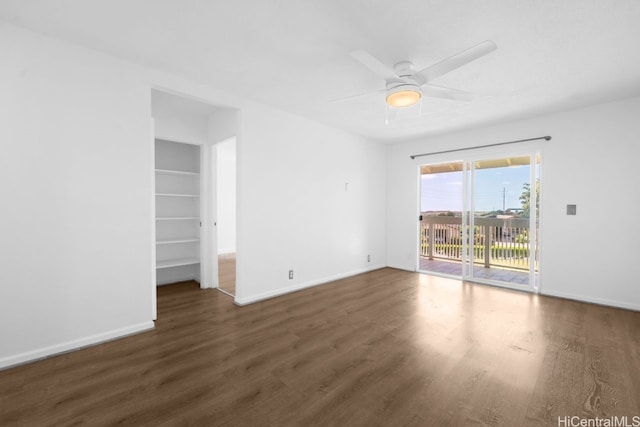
405	86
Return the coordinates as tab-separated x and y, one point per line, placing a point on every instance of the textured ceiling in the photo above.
552	55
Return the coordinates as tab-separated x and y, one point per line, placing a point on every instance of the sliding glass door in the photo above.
479	219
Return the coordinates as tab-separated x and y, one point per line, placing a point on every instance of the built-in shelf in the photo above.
176	195
174	241
177	262
177	218
179	173
177	200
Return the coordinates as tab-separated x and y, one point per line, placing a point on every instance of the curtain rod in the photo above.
480	146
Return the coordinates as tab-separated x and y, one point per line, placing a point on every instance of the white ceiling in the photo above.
294	54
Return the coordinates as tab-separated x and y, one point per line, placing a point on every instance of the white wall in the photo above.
75	181
591	161
226	195
224	124
175	124
293	210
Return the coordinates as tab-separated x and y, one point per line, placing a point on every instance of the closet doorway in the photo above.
177	203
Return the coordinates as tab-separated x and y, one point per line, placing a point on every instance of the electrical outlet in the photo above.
290	274
368	258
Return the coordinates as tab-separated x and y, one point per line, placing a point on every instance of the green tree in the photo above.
525	199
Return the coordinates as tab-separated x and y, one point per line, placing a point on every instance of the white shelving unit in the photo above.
175	173
177	262
177	218
176	195
175	241
177	212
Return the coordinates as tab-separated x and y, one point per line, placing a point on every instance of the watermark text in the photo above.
614	421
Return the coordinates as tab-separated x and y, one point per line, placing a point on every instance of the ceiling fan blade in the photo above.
443	67
447	93
359	95
366	59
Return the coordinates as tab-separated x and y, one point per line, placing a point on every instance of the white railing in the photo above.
500	242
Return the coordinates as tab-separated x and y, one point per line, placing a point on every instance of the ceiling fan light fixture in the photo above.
403	96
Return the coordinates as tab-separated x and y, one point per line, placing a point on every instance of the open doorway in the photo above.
184	247
479	220
225	161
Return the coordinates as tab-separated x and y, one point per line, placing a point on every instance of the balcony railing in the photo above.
500	242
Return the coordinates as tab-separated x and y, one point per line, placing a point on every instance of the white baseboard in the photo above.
32	356
402	267
300	286
226	251
592	300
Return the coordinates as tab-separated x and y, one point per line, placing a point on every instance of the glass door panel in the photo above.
499	223
441	211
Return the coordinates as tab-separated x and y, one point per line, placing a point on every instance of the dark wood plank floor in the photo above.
387	348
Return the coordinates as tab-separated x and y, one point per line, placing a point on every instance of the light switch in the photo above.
571	209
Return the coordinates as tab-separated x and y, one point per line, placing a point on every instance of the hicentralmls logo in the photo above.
623	421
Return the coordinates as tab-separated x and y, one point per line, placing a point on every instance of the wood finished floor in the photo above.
386	348
227	273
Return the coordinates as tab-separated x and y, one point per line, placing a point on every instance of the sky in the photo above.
443	191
